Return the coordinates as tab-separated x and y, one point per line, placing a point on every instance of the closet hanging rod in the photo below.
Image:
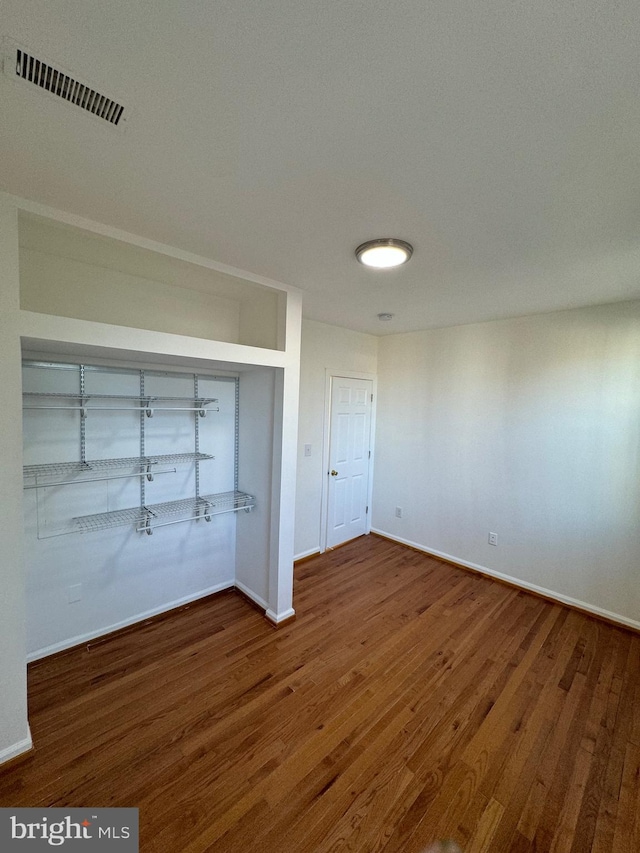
98	479
149	526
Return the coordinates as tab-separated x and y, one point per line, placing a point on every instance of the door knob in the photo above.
334	473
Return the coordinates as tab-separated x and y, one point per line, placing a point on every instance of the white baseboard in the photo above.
16	749
277	618
252	595
139	617
530	587
310	553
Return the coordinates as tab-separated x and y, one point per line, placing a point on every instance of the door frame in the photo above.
330	375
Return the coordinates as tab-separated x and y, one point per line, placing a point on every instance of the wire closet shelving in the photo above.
145	517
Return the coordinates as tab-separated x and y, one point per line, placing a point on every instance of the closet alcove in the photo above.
159	416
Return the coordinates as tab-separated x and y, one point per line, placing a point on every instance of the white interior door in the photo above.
349	443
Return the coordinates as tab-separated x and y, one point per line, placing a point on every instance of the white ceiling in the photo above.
501	138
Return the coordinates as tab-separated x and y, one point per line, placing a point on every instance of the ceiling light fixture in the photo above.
384	253
385	317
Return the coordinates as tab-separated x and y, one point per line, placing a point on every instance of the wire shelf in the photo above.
146	398
55	469
57	394
230	501
58	469
149	517
148	403
224	501
108	520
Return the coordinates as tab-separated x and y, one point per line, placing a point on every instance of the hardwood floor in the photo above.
410	701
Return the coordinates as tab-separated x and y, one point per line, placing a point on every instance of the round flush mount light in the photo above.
385	317
385	253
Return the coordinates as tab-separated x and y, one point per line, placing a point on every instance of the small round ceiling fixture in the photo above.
385	317
385	253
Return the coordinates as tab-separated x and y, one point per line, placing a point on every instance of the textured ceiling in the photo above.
500	138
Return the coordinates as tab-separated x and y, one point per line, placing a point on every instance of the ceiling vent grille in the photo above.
23	65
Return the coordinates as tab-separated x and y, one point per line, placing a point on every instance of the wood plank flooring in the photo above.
410	701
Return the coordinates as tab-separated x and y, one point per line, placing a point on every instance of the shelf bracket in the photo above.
203	512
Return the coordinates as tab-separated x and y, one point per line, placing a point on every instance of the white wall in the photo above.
73	273
255	477
339	350
529	428
71	288
259	320
14	730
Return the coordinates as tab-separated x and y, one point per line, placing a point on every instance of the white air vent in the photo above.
22	64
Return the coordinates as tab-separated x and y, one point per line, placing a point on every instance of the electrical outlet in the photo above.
493	539
75	593
398	512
